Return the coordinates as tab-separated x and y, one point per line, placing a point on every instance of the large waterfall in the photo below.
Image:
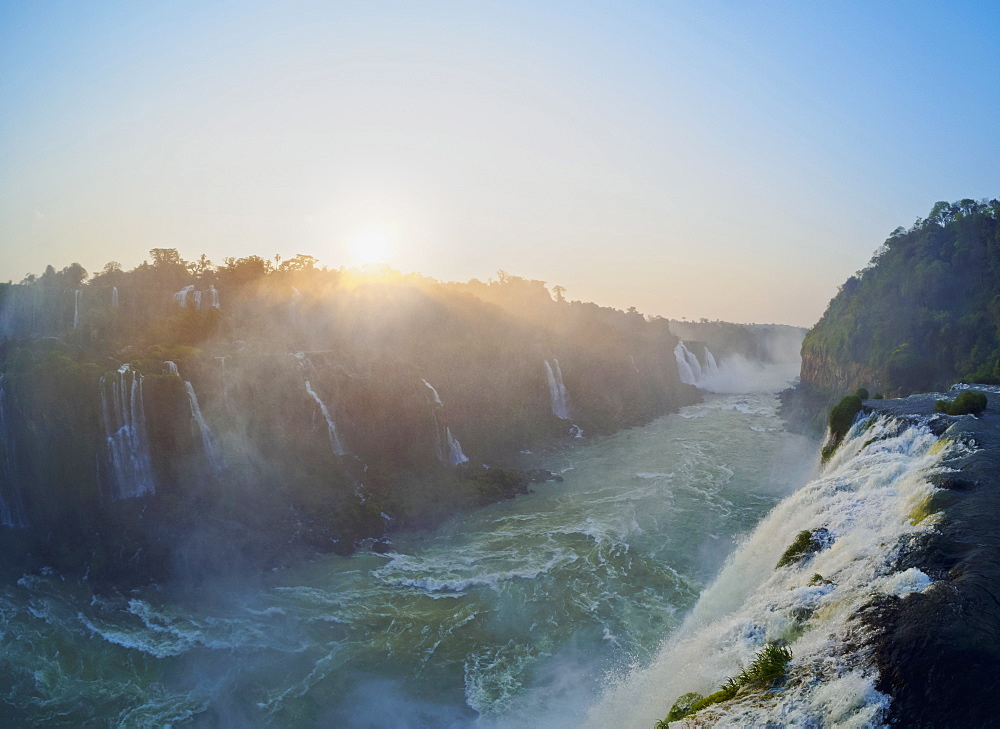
114	296
335	445
867	506
448	448
128	458
11	504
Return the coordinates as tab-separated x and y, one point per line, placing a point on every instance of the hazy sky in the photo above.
732	160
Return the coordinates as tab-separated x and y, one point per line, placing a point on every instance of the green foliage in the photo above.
769	667
922	314
818	579
681	708
966	403
862	393
841	419
806	542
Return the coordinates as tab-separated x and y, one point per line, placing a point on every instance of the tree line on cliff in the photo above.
248	336
922	315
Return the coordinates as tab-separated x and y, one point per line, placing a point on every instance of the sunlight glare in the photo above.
370	246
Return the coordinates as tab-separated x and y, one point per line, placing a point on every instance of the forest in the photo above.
216	417
921	316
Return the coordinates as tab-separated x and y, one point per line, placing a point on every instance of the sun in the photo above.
370	246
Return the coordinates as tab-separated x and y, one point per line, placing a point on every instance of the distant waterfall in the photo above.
557	390
11	506
181	297
449	450
691	370
125	430
114	296
331	427
76	308
198	298
207	436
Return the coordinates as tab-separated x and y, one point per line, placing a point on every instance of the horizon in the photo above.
694	161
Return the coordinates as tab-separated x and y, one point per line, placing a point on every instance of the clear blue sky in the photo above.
733	160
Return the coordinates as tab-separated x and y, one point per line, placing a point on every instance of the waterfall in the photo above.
196	295
124	419
865	508
76	308
181	296
557	390
114	296
449	450
172	369
437	398
331	427
207	437
11	506
455	454
690	369
213	300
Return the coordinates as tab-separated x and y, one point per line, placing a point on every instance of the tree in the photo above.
558	291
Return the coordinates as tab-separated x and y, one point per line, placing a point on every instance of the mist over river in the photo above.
518	614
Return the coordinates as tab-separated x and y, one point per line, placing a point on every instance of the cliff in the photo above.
922	315
186	418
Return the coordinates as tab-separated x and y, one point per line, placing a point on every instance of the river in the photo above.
518	614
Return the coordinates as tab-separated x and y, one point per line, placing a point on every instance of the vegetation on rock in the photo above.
966	403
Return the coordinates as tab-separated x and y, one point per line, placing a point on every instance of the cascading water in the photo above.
449	450
207	437
559	397
557	390
11	501
76	308
213	300
331	426
511	616
181	296
196	297
114	296
128	458
868	500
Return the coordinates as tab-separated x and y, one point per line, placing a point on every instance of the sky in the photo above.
713	158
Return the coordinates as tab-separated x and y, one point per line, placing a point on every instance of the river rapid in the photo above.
519	614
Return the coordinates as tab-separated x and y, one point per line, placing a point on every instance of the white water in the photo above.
331	427
124	418
511	616
448	448
735	373
172	368
114	296
213	300
11	506
455	454
207	436
557	390
76	308
864	497
181	296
